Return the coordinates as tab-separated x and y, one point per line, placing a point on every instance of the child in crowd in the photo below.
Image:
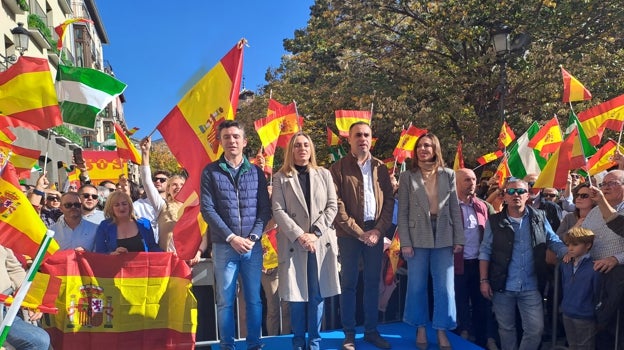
580	285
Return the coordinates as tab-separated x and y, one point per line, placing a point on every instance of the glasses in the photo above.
518	191
76	205
609	184
549	195
160	179
575	176
92	196
53	199
583	195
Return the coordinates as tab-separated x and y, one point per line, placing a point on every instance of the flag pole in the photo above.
5	326
297	115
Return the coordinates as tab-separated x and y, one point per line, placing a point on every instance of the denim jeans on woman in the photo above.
314	309
227	265
440	262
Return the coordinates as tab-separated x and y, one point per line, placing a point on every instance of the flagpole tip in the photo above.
50	233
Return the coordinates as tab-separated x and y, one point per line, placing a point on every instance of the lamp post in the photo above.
21	38
502	46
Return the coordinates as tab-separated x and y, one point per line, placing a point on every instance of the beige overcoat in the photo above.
290	212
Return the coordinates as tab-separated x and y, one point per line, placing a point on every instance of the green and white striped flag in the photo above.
522	159
83	93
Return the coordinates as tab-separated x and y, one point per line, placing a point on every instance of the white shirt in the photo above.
370	205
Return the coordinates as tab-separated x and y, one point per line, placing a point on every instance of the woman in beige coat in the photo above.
304	207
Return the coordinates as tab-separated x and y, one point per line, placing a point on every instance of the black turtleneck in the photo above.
304	181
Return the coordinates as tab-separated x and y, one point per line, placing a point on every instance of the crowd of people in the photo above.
482	253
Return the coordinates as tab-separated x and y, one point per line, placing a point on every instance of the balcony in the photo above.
65	6
39	39
14	6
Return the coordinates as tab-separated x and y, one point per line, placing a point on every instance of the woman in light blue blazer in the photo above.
430	227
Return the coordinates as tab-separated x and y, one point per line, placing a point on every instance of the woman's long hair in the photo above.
437	151
169	182
115	197
288	168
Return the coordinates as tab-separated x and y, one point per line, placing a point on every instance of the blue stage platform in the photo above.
400	335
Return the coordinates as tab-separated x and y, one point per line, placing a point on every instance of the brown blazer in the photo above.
290	212
349	187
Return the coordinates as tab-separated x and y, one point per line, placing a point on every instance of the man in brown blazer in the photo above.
365	205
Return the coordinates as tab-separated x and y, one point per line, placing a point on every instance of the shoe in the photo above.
376	339
349	342
491	344
421	338
443	341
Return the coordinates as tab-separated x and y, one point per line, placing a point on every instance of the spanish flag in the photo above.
188	231
573	90
458	163
603	159
506	136
269	248
568	157
192	123
268	130
21	228
125	148
607	115
127	301
407	142
27	95
548	138
344	119
23	159
290	123
490	157
62	28
332	139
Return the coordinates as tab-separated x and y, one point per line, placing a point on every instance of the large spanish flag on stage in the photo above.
27	94
190	129
126	301
21	228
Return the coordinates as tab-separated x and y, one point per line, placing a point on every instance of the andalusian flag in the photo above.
85	92
573	90
21	228
192	123
62	28
407	142
127	301
607	115
125	147
332	139
344	119
23	159
27	95
506	136
336	152
522	159
458	163
490	157
568	157
603	159
548	138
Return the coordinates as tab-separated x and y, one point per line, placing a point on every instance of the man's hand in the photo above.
241	245
486	289
34	315
195	259
371	237
458	248
42	182
605	265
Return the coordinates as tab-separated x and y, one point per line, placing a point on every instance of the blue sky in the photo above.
157	47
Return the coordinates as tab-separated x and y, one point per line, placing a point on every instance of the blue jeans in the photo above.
351	250
314	308
531	312
26	336
440	262
227	265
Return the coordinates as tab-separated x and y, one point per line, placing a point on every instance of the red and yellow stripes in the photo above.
344	119
125	148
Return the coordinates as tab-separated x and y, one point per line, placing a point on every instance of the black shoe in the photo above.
376	339
349	342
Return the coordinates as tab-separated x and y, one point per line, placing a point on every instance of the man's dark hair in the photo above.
359	123
80	191
230	124
162	172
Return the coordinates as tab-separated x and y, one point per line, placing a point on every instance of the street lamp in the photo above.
500	38
21	37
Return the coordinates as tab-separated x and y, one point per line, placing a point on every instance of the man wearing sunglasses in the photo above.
143	207
72	231
512	265
90	198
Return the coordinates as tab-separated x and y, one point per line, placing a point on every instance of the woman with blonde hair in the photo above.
430	226
304	207
121	231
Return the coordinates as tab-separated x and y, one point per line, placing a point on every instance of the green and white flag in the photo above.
83	93
588	149
336	152
522	159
